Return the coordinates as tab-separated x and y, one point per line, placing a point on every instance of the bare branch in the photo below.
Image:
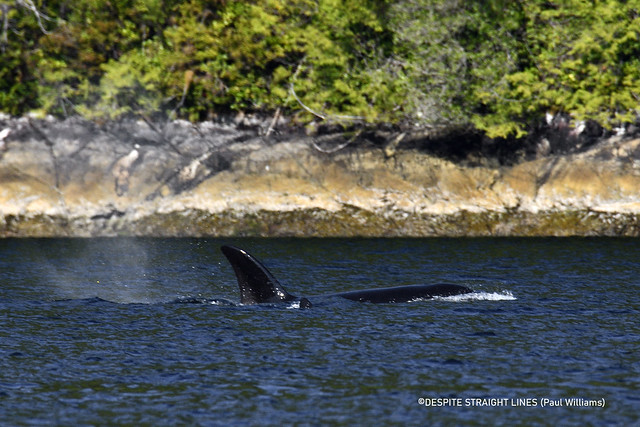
276	116
5	24
293	93
188	78
339	147
39	15
332	117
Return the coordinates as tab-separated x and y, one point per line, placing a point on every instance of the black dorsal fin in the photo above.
256	282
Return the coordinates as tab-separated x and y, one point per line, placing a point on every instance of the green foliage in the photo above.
453	52
493	64
583	58
134	84
91	36
19	31
246	55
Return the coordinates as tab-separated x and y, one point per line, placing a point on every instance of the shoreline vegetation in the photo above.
319	118
497	67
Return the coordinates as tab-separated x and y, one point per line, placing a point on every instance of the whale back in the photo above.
256	283
405	293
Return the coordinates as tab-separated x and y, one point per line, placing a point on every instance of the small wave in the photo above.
201	300
482	296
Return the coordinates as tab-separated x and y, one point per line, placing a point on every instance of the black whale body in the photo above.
258	285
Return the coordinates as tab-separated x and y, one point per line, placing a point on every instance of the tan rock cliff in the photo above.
73	179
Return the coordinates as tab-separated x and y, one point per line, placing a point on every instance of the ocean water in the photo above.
132	331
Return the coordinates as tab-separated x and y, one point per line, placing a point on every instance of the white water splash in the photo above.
295	305
481	296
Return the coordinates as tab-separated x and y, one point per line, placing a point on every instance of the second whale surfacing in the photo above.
257	285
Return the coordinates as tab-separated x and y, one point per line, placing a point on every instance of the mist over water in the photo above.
122	270
149	331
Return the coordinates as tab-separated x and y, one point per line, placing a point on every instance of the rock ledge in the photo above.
73	178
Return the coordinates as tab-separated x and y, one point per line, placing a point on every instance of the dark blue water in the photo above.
90	334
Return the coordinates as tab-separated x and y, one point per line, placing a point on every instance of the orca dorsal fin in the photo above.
256	282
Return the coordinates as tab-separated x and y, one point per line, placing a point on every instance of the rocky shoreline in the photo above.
260	178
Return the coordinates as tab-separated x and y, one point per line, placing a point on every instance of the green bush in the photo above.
496	65
580	58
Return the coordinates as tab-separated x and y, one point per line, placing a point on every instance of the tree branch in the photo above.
5	25
339	147
39	15
331	117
